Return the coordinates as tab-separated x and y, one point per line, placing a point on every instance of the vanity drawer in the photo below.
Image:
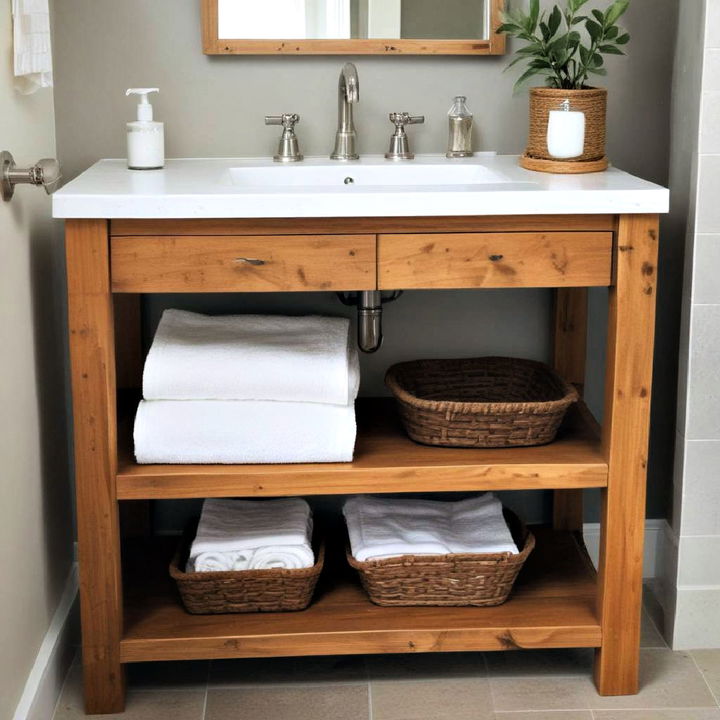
494	260
267	263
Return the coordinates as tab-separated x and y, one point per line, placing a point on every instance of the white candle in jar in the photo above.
566	133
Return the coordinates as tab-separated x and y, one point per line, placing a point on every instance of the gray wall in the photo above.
214	106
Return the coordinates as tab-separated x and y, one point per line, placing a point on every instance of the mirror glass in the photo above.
353	19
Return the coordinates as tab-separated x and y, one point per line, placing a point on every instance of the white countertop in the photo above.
204	188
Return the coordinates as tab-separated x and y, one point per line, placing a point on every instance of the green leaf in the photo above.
623	39
610	50
615	11
594	30
545	30
579	19
584	55
600	17
533	16
527	75
509	28
612	32
596	61
554	21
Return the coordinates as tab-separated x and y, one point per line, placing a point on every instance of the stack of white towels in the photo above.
248	389
252	535
385	527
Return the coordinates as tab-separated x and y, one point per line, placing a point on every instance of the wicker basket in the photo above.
480	402
593	102
457	580
244	591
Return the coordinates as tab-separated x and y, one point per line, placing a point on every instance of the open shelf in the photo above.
553	605
386	461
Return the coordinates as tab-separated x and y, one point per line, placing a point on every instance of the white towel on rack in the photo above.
252	535
244	432
387	527
32	53
252	357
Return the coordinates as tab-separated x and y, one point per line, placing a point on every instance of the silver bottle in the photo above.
460	125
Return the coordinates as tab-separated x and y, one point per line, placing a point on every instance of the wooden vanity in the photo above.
560	601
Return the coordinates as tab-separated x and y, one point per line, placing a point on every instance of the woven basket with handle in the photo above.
480	402
480	580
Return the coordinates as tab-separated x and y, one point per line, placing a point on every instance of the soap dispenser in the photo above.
460	126
145	138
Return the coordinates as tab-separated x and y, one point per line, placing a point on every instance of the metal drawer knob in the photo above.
249	261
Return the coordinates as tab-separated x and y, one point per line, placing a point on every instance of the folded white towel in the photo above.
248	432
252	357
32	53
252	534
382	527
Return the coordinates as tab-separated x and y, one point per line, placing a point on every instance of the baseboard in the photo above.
655	538
44	683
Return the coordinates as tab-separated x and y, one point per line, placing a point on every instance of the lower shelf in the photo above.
552	606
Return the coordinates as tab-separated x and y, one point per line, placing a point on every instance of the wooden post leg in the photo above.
631	325
570	349
92	355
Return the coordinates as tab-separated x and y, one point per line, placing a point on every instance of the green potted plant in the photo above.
566	47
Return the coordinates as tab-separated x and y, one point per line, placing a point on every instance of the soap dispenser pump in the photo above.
145	138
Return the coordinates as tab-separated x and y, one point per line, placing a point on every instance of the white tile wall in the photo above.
697	619
705	285
711	81
698	564
703	407
701	489
708	209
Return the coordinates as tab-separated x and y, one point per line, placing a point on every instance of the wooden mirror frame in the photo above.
212	45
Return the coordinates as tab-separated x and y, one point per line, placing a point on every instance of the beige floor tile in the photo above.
512	694
709	663
425	666
447	699
287	671
338	702
540	663
667	680
650	637
657	714
549	715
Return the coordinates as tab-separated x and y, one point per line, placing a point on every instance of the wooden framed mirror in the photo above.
352	27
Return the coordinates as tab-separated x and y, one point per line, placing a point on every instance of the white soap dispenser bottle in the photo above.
145	138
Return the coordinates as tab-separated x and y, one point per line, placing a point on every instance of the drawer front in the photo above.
269	263
494	260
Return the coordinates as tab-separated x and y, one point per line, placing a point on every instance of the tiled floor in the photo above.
542	685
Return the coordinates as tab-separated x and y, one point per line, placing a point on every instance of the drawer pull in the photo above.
496	258
249	261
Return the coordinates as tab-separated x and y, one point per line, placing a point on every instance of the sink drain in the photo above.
348	181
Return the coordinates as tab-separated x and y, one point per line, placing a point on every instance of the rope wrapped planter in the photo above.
487	402
479	580
245	591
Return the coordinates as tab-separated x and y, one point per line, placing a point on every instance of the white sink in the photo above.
367	173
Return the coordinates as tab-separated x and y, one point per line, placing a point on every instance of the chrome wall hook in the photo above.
45	172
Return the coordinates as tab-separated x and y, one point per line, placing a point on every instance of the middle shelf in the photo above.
386	461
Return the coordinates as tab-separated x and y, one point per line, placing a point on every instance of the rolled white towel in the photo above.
214	561
252	357
288	557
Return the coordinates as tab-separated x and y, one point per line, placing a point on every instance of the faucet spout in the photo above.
348	94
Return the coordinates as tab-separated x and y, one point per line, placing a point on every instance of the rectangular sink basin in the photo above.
377	173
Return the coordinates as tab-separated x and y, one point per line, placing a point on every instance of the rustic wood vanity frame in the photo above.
559	602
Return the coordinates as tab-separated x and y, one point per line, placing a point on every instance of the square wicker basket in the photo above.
244	591
486	402
480	580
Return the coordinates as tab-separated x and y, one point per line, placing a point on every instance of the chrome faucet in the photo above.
348	93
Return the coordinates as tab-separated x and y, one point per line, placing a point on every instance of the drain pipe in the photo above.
369	305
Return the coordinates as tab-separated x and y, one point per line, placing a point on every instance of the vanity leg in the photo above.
628	378
570	348
92	356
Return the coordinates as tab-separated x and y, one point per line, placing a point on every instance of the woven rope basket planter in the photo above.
592	102
450	580
244	591
480	402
